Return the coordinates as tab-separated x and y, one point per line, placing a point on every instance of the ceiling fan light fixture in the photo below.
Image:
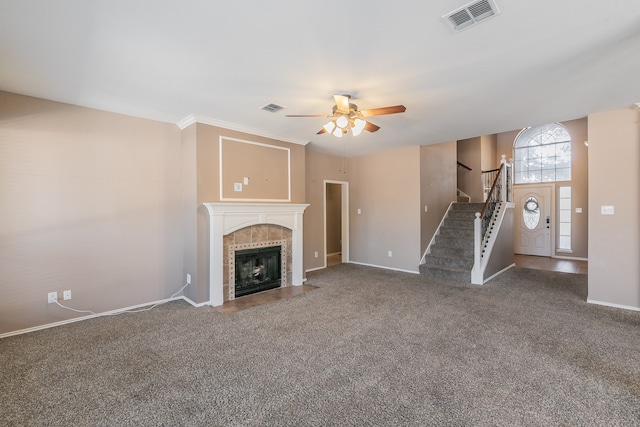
329	127
359	124
346	116
342	122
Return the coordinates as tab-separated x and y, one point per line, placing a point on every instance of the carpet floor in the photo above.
369	347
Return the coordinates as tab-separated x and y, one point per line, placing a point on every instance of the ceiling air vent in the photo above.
272	108
472	14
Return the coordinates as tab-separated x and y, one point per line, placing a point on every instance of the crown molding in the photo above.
193	118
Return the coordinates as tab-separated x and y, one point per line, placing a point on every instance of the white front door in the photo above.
533	220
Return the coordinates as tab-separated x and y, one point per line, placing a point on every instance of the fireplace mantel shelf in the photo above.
226	218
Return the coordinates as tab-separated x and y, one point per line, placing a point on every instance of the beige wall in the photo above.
470	181
319	167
391	189
488	147
479	154
90	202
579	182
437	187
189	205
238	157
386	187
614	240
208	169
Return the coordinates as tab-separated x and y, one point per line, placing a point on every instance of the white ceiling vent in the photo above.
272	108
472	14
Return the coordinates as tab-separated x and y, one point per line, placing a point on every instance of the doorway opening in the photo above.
336	222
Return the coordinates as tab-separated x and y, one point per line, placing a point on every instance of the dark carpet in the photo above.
369	347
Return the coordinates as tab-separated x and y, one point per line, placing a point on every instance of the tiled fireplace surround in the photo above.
238	226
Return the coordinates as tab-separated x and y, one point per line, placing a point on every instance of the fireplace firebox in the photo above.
257	269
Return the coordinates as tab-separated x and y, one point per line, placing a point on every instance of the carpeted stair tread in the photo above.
444	272
449	260
458	223
468	206
451	255
453	250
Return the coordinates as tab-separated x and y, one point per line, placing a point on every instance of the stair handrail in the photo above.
501	191
487	181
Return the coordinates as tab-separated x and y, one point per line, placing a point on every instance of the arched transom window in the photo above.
543	154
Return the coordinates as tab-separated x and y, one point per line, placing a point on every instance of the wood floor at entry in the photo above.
552	264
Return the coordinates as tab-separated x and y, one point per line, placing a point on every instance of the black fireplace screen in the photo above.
257	270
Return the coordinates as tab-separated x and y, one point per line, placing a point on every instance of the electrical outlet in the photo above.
607	210
188	279
66	295
390	254
315	254
52	297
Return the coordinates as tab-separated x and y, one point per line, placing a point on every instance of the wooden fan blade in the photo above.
384	110
306	115
371	127
342	102
321	131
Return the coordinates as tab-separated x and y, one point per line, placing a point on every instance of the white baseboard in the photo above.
498	273
90	316
572	258
315	269
195	304
386	268
610	304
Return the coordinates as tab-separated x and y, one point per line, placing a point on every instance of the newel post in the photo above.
503	178
477	242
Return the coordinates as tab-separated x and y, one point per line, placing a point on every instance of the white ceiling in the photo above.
536	62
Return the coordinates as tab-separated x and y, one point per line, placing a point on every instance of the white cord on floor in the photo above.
125	311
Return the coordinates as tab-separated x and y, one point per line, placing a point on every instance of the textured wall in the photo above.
386	188
320	167
614	240
90	202
438	169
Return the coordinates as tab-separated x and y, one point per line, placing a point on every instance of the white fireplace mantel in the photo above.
226	218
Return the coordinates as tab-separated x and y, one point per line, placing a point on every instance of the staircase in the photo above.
451	254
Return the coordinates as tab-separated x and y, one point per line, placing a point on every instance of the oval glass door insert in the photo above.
531	213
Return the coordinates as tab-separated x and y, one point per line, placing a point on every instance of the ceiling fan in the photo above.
346	116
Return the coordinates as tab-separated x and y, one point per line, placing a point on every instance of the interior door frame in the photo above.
344	218
552	210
